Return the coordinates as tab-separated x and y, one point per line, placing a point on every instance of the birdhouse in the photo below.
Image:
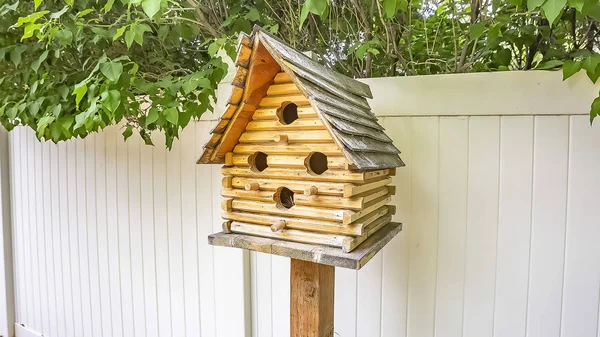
305	159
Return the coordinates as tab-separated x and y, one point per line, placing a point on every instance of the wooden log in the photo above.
313	190
226	227
226	182
239	80
271	113
275	101
350	217
229	159
327	214
226	205
288	234
325	188
283	89
251	192
350	190
311	225
252	187
275	125
243	56
278	225
310	136
236	95
221	126
333	162
229	111
352	242
329	149
282	77
312	288
244	40
296	174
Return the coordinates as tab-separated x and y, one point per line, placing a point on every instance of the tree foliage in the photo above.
71	67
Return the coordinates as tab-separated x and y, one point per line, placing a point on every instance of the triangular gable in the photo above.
339	101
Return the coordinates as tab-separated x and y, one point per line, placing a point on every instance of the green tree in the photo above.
71	67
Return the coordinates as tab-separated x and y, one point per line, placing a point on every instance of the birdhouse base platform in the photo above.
331	256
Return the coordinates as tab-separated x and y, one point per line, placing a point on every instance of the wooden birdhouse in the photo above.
305	159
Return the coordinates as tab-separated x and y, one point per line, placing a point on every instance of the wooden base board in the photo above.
313	253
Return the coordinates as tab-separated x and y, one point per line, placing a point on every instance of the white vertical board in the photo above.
514	226
548	225
582	255
395	257
453	175
280	284
204	223
190	232
111	239
422	232
482	226
112	171
7	304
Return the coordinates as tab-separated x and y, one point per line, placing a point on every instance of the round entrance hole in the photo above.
287	113
284	198
316	163
258	161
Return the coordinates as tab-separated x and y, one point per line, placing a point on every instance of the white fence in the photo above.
499	202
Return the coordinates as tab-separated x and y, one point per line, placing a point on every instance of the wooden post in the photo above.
312	290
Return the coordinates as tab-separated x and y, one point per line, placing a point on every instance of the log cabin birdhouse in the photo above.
305	159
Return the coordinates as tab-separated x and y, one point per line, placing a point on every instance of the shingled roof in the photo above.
339	101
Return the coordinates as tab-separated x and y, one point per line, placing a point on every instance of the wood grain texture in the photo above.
315	253
312	299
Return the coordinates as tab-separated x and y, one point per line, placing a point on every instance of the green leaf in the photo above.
29	30
108	6
590	64
152	116
577	4
194	82
172	115
139	33
64	37
56	110
111	100
551	64
552	9
31	18
79	91
595	110
151	7
303	15
570	68
120	32
36	4
59	13
533	4
390	8
253	15
146	137
112	70
70	2
477	30
127	133
129	36
15	54
317	6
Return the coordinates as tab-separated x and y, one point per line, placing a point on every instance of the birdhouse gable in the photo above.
298	112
